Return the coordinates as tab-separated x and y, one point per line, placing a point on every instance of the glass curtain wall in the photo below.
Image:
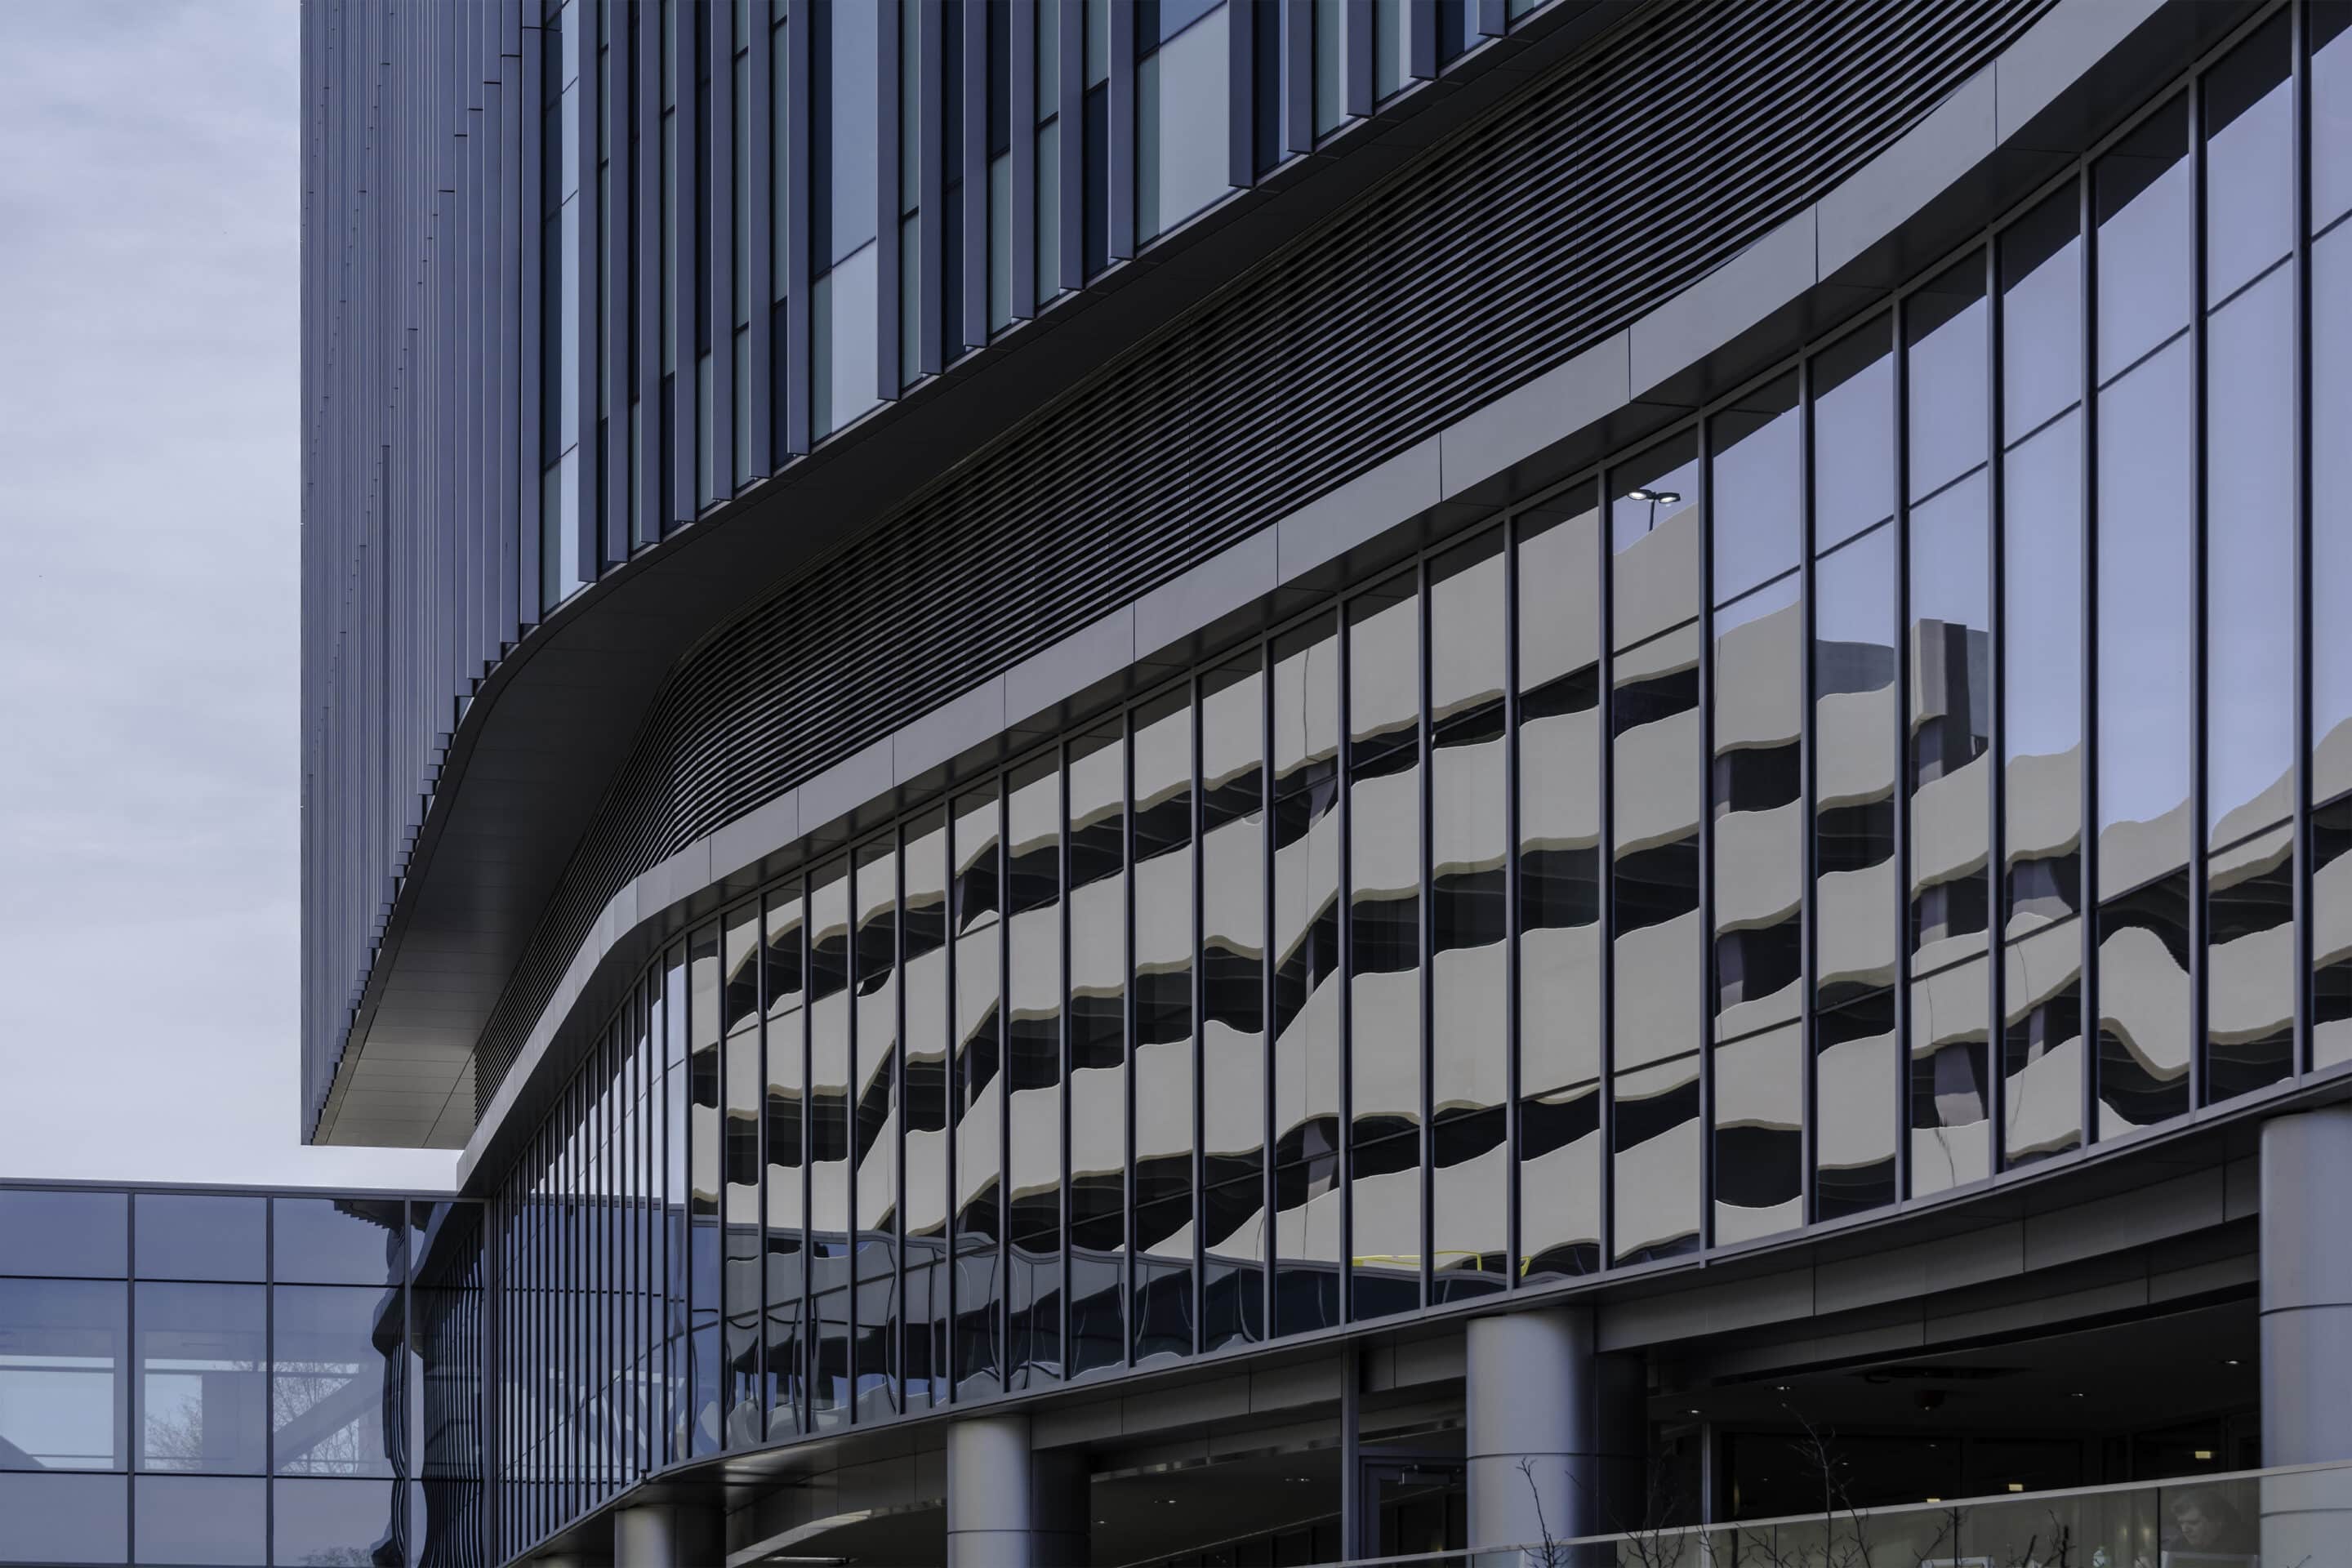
1747	836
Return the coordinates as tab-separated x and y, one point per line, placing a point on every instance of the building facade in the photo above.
1431	769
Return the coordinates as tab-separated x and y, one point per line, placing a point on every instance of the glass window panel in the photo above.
2144	1009
875	1121
1759	490
1760	1154
842	306
2146	621
2331	935
2249	160
1330	64
1000	241
1306	682
201	1235
1097	1050
334	1391
1655	1156
2141	191
65	1518
2249	966
2249	519
322	1522
2042	713
1034	1068
845	81
784	980
2042	1045
1183	126
1384	925
1855	1103
1855	751
337	1241
64	1233
828	1144
1951	1104
923	935
1950	723
1469	854
1559	869
2330	23
1758	777
1232	1000
745	1100
1654	533
976	926
202	1519
203	1350
61	1375
2041	315
1946	341
1853	434
2331	512
1161	803
705	1133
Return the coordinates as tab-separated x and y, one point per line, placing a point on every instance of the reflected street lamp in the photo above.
1653	498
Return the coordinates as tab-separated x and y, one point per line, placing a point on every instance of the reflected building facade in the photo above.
1454	796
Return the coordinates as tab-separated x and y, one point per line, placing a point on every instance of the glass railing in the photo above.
2290	1517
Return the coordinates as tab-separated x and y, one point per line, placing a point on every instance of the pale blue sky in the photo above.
150	210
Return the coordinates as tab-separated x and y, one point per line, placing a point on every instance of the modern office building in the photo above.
1260	781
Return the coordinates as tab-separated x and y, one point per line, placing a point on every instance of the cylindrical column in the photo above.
647	1537
1009	1507
1540	1430
2306	1305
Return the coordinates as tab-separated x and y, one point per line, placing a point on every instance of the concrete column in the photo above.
2306	1305
1536	1392
1010	1506
647	1536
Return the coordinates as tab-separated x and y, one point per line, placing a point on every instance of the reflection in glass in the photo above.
1759	774
923	936
1098	1046
2042	1045
976	930
874	1123
2041	711
2041	315
2330	27
61	1372
1758	1168
2141	191
1758	494
1854	435
783	983
2250	965
337	1522
2144	1008
2331	504
1951	1105
64	1233
1950	723
1469	850
65	1518
1656	1152
705	1389
2249	160
200	1235
1306	681
1558	866
745	1097
1162	809
2146	621
334	1393
337	1241
2331	934
2250	508
1182	124
1232	1002
202	1519
1654	540
1947	337
202	1354
1034	1066
828	1145
1384	943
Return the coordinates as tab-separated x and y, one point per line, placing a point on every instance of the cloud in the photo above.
150	550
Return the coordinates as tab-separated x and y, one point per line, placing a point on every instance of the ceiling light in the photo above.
2017	1486
2204	1453
2233	1361
1935	1500
1780	1388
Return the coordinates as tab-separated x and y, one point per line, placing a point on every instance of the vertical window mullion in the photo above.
2087	223
2201	834
1513	1196
1900	467
1996	788
1605	868
793	104
889	201
1122	132
2300	855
